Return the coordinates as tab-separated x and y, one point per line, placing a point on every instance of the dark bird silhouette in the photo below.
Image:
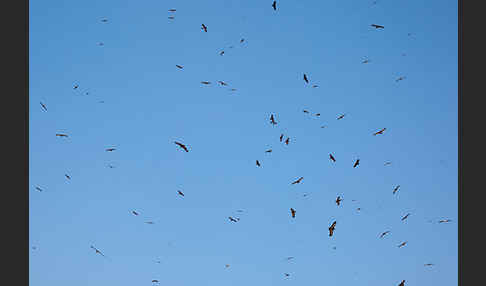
332	157
385	233
134	212
281	137
61	135
39	189
180	193
317	114
444	220
232	219
358	209
377	26
315	85
396	189
387	163
272	120
331	228
356	163
221	53
292	211
306	111
290	257
67	176
305	78
268	151
258	163
110	149
104	20
402	244
402	283
297	181
181	67
428	264
76	86
172	10
204	28
205	82
287	141
338	200
155	281
222	82
97	251
274	5
406	216
400	78
379	132
341	117
286	274
171	17
43	106
366	61
242	40
182	146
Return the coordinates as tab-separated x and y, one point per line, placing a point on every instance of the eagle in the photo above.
110	149
297	181
43	106
272	120
180	193
204	28
258	163
356	163
181	67
331	228
396	189
402	244
377	26
384	233
182	146
292	211
338	200
379	132
341	116
61	135
287	141
305	78
274	5
406	216
332	157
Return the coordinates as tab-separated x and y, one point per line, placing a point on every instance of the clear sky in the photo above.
132	97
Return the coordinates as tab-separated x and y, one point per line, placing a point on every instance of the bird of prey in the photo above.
287	141
379	132
306	111
358	209
402	244
341	116
226	265
356	163
155	281
338	200
366	61
274	5
61	135
315	85
181	67
396	189
332	158
221	53
67	176
180	193
400	78
104	20
205	82
323	126
222	82
149	222
305	78
233	89
182	146
402	283
110	149
377	26
101	44
281	137
297	181
272	120
286	274
232	219
242	40
43	106
428	264
204	27
331	228
290	257
292	211
385	233
387	163
406	216
258	163
111	166
134	212
444	220
171	17
97	251
268	151
39	189
76	86
172	10
317	114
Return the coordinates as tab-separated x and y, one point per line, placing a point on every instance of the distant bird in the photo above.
43	106
332	157
111	166
286	274
444	220
385	233
406	216
150	222
67	176
331	228
181	67
297	181
233	89
292	211
387	163
39	189
323	126
204	27
110	149
102	101
101	44
76	86
338	200
205	82
356	163
34	248
242	40
287	141
281	137
402	244
180	193
317	114
258	163
379	132
306	111
377	26
155	281
358	209
240	211
134	212
428	264
400	78
61	135
305	78
97	251
402	283
341	116
172	10
222	82
366	61
315	85
221	53
182	146
232	219
274	5
290	257
171	17
396	189
272	120
268	151
104	20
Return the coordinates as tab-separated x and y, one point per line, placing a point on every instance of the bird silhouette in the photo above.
272	120
317	114
402	244
379	132
104	20
315	85
258	163
444	220
338	200
204	28
274	5
281	137
181	67
76	86
306	111
292	211
134	212
384	233
110	149
155	281
232	219
221	53
172	10
287	141
39	189
67	176
222	82
180	193
43	106
331	228
356	163
428	264
366	61
332	158
206	82
402	283
61	135
400	78
297	181
377	26
305	78
341	117
97	251
268	151
396	189
242	40
182	146
406	216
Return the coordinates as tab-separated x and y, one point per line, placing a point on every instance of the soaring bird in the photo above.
104	20
286	274
406	216
258	163
428	264
400	78
149	222
281	137
292	211
155	281
205	82
67	176
274	5
402	283
385	233
305	78
306	111
232	219
366	61
204	27
315	85
396	189
338	200
97	251
272	120
268	151
331	228
171	17
221	53
181	67
377	26
387	163
444	220
134	212
287	141
242	40
290	257
180	193
172	10
110	149
39	189
182	146
317	114
402	244
61	135
356	163
379	132
43	106
297	181
76	86
332	158
341	116
222	82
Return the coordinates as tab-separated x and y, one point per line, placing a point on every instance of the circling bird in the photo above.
402	283
444	220
292	211
172	10
396	189
402	244
171	17
180	193
315	85
155	281
39	189
43	106
272	120
76	86
232	219
281	137
406	216
297	181
317	114
110	149
338	200
104	20
222	82
97	251
356	163
204	28
341	116
221	53
286	274
400	78
67	176
306	111
258	163
331	228
268	151
366	61
287	141
181	67
134	212
61	135
379	132
385	233
377	26
387	163
332	157
428	264
274	5
182	146
205	82
305	78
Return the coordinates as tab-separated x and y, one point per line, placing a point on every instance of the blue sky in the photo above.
149	104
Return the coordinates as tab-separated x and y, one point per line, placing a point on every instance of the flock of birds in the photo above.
293	212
